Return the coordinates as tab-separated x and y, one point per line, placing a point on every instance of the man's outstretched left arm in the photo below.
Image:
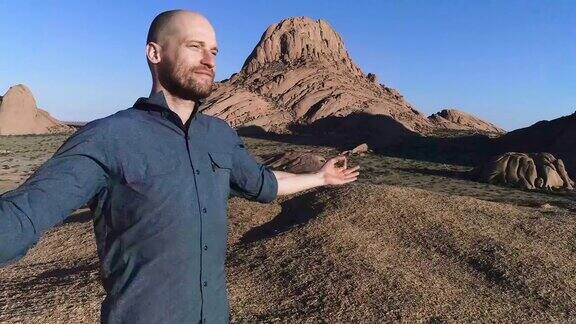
330	174
254	181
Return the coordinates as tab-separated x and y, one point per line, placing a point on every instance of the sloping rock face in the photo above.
459	120
300	73
19	115
557	137
528	171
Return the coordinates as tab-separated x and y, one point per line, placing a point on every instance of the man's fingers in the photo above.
352	169
342	181
348	176
349	180
353	174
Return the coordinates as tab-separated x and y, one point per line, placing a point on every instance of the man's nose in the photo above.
208	59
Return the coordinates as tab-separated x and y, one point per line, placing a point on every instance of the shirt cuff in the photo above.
269	189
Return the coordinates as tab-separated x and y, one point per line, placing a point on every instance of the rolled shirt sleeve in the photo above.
250	179
65	182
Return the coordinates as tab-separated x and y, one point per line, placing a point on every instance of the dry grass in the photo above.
379	250
57	281
382	253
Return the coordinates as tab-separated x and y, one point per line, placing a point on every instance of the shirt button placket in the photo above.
205	247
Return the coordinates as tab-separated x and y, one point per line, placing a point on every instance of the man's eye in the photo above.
214	53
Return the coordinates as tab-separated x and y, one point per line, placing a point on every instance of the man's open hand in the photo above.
330	174
334	175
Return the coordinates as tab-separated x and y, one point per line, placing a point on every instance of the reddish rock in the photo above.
358	150
296	162
459	120
19	115
528	171
372	77
299	73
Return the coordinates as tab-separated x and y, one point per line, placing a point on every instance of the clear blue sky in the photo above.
509	62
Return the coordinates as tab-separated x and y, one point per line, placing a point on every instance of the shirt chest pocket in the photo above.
221	163
143	169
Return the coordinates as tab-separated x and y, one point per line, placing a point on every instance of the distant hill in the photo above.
75	124
459	120
19	115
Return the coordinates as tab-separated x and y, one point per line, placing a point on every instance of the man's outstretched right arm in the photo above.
75	174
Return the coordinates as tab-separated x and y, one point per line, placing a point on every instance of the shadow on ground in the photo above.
454	174
82	216
385	136
295	212
59	276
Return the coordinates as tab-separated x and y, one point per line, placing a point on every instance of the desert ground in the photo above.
410	241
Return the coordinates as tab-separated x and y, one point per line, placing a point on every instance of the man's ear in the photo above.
153	53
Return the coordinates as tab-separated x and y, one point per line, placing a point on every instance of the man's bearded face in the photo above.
186	81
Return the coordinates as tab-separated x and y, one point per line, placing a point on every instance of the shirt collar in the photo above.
157	102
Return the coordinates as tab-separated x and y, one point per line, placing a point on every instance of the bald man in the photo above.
157	177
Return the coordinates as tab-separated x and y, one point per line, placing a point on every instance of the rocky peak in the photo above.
18	97
301	75
300	40
19	114
456	119
19	100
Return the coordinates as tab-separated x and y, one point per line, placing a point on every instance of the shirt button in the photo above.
205	283
204	210
197	171
205	247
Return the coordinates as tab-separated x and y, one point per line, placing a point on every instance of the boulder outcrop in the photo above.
361	150
296	162
557	136
528	171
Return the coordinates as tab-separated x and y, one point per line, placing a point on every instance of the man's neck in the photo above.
182	107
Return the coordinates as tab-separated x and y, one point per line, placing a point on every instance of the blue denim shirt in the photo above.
159	192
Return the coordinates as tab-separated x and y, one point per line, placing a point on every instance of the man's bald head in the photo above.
181	50
159	24
165	24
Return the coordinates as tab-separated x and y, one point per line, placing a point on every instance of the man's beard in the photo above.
180	82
